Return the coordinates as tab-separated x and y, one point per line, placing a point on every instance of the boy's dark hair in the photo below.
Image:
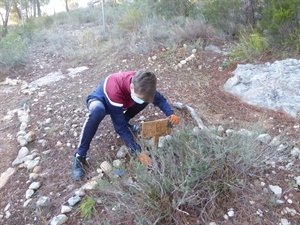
144	83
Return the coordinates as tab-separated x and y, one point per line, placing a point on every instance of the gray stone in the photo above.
43	201
264	138
123	151
274	86
74	200
35	185
65	209
58	220
5	176
295	152
29	193
276	189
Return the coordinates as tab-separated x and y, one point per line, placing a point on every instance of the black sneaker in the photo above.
133	128
78	171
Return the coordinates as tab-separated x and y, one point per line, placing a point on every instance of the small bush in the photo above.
87	207
250	47
192	174
280	21
132	20
227	16
12	51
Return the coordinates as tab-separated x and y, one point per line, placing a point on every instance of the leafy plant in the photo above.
12	51
227	16
280	21
250	47
191	173
87	207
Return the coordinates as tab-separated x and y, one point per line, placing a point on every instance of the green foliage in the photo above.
87	207
250	47
192	172
281	23
12	51
292	41
227	16
132	19
176	8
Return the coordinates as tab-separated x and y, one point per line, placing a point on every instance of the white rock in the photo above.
276	189
74	200
27	202
59	220
65	209
21	133
30	164
226	217
297	179
7	214
284	222
23	126
29	193
43	201
30	136
117	163
5	176
7	207
264	138
123	151
106	167
80	192
295	152
230	213
22	141
35	185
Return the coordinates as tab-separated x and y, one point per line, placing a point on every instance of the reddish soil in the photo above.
201	89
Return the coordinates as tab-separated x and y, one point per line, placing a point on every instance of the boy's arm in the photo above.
120	125
161	102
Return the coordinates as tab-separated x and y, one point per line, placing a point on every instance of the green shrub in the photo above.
132	19
227	16
12	51
192	173
251	47
176	8
87	207
280	21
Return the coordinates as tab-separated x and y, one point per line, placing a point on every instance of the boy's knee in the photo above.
97	110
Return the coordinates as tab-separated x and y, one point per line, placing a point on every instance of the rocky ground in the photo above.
34	192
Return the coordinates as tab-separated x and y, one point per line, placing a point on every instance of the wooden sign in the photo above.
155	129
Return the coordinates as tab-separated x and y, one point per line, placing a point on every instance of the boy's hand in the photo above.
145	159
173	120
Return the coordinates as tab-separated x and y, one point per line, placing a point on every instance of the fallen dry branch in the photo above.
193	113
196	117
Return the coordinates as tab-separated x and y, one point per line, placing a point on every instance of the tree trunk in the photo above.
249	9
5	19
34	8
38	5
67	6
26	9
18	11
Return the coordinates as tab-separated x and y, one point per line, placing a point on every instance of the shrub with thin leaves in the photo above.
250	47
227	16
87	207
12	51
192	173
280	22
